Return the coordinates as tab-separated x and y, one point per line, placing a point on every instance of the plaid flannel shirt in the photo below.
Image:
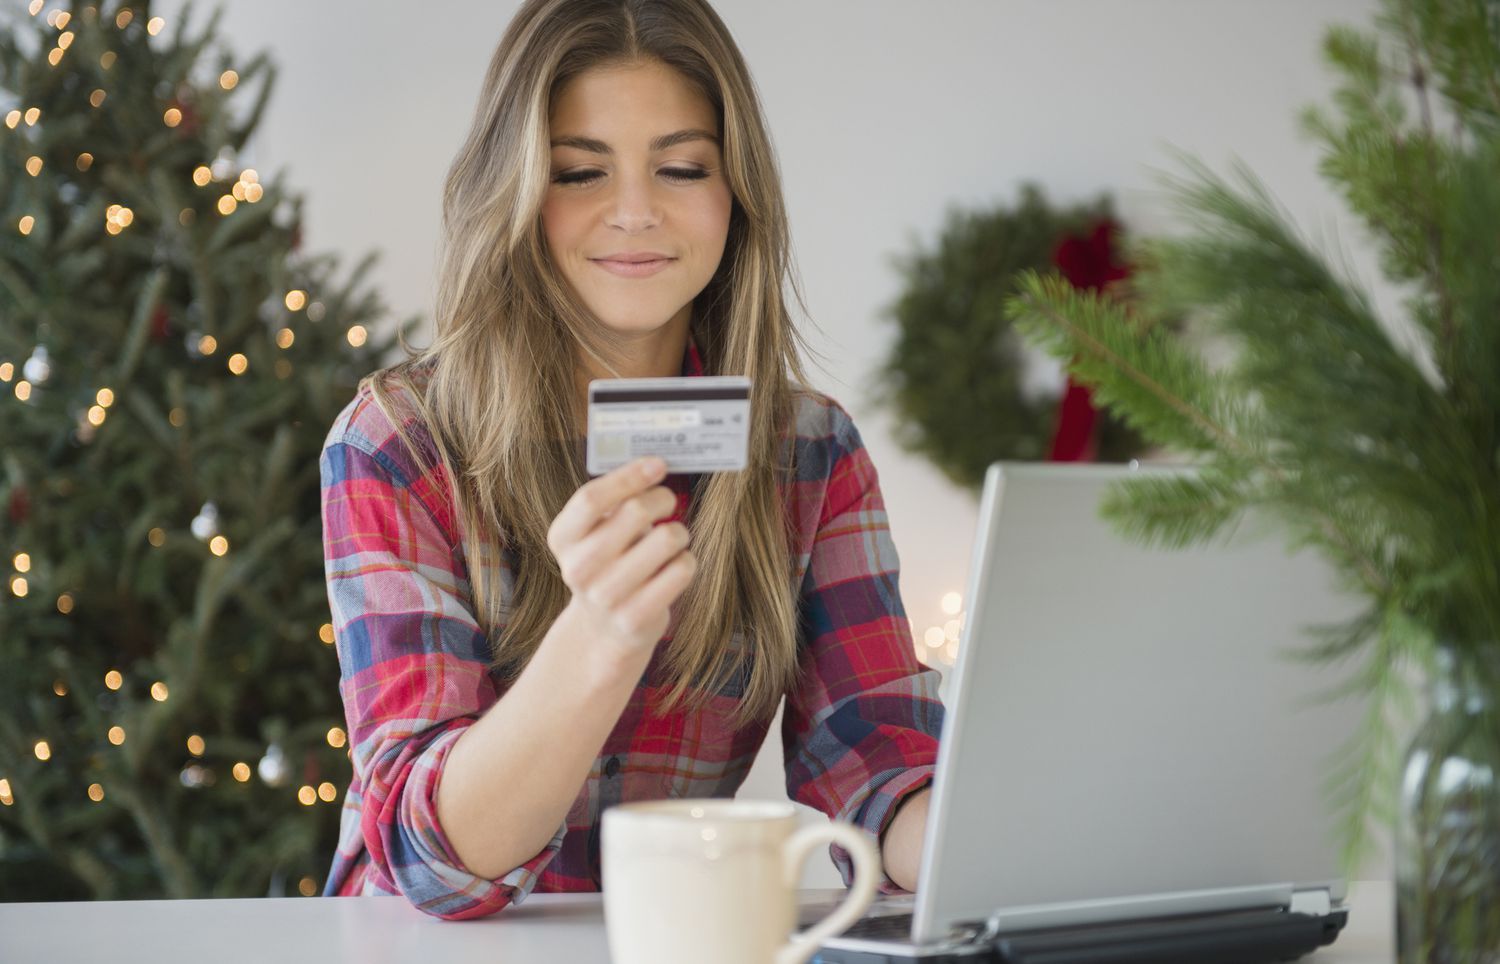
859	730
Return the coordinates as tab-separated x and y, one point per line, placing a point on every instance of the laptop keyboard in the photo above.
890	927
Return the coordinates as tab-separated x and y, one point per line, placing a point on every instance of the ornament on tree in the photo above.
86	430
19	507
274	768
222	166
160	324
36	368
187	127
205	524
195	775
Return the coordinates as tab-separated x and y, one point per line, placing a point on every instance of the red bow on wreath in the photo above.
1089	264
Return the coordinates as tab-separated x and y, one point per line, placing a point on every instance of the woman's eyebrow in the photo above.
659	144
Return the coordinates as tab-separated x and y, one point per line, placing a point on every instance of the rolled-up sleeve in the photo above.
860	731
413	671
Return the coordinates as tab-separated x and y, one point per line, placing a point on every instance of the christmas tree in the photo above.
170	363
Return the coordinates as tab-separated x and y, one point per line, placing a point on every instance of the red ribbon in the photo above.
1089	264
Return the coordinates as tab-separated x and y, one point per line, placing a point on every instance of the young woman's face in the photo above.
618	191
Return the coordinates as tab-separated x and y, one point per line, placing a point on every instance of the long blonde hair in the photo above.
497	388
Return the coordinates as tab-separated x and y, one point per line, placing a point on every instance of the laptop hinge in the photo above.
1168	904
1314	902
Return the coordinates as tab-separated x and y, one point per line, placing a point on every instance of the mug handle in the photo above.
801	946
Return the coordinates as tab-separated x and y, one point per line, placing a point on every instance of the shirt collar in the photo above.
692	362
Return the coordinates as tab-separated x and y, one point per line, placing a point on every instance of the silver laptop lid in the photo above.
1124	735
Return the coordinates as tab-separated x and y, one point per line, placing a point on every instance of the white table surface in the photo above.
550	928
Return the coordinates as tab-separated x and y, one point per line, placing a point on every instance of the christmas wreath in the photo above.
958	379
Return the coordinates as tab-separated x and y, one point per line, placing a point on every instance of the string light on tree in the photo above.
117	218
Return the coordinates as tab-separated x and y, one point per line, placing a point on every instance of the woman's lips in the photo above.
635	269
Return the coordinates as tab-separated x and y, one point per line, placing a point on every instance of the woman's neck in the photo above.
656	354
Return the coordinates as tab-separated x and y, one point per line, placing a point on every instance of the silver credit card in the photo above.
698	424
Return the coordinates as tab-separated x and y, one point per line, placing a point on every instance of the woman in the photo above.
520	646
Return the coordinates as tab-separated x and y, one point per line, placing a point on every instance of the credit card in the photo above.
697	424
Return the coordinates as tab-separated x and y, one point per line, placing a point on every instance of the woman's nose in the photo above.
634	204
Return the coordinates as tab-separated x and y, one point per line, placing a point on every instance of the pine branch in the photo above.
1146	376
1174	511
1364	772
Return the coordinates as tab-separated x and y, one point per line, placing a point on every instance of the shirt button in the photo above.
612	766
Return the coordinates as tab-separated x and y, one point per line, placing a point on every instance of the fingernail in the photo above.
653	468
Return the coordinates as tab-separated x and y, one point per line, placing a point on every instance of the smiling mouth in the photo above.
633	269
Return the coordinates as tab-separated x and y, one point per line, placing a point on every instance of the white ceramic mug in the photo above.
689	881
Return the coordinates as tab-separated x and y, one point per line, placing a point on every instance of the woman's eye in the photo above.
682	175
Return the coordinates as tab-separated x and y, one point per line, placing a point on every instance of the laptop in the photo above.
1131	768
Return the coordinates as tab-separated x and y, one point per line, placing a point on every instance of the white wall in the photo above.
883	113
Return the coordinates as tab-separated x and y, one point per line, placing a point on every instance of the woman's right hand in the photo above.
625	571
